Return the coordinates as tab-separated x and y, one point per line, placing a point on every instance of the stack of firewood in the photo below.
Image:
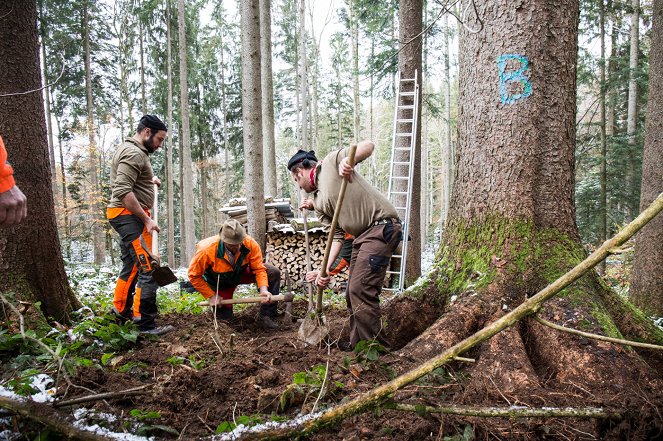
287	251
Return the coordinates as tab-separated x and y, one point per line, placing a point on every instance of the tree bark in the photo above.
447	153
267	98
303	75
96	201
30	255
646	289
143	99
603	178
632	115
188	242
409	61
170	178
47	101
252	120
224	112
354	43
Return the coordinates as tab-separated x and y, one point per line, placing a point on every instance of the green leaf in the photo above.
106	358
299	378
243	419
225	427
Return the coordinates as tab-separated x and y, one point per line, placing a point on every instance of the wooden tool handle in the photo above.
256	299
330	237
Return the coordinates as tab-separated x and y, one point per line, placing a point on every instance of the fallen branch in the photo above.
45	415
375	397
98	397
41	344
508	412
596	336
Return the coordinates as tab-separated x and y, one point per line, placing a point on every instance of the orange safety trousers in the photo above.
134	296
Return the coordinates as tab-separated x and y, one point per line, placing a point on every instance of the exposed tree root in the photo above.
44	414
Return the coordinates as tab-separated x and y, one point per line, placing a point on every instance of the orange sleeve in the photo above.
6	172
199	264
255	261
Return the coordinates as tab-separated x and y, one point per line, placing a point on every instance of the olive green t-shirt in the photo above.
362	205
131	171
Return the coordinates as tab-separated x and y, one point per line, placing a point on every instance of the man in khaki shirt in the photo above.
132	187
366	214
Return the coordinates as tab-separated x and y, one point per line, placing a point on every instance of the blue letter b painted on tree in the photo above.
512	76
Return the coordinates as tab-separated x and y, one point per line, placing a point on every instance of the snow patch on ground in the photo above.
242	429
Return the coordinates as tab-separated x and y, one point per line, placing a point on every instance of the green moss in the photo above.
466	263
605	322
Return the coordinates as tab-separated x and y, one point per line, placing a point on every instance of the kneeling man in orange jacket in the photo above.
229	259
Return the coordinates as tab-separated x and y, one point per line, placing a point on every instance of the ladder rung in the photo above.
396	256
403	148
401	162
400	177
400	208
403	80
394	272
404	134
408	120
406	107
406	93
399	192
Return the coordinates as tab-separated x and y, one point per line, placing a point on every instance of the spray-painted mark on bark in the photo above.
510	77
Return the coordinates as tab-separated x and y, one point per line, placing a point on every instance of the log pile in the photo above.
287	251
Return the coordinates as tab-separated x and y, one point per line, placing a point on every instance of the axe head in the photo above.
163	275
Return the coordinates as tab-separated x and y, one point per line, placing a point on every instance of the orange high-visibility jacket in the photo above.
6	172
210	266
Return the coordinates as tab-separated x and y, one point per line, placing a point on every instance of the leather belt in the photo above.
387	220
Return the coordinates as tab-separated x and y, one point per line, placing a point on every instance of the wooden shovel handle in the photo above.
334	223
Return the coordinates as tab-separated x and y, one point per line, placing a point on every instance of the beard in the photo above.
149	143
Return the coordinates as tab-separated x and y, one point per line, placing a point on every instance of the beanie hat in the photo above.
232	232
153	122
302	156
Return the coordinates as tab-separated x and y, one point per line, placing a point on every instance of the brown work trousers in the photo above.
371	252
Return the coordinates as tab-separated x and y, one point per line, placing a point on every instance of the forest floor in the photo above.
204	379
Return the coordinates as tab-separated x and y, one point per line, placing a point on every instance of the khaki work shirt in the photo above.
131	171
362	205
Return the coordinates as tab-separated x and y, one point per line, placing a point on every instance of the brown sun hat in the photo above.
232	232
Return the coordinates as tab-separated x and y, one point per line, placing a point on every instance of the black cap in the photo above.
153	122
300	156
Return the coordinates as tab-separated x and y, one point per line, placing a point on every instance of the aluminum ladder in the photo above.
401	174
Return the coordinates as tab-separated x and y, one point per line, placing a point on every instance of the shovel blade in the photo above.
313	329
163	276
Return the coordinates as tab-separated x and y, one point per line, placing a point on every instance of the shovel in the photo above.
256	299
161	274
314	327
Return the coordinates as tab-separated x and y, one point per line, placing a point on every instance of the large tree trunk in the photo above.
409	61
511	231
170	178
224	112
188	242
267	98
96	200
603	157
303	74
354	43
47	100
30	256
647	285
252	120
143	99
632	115
447	154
